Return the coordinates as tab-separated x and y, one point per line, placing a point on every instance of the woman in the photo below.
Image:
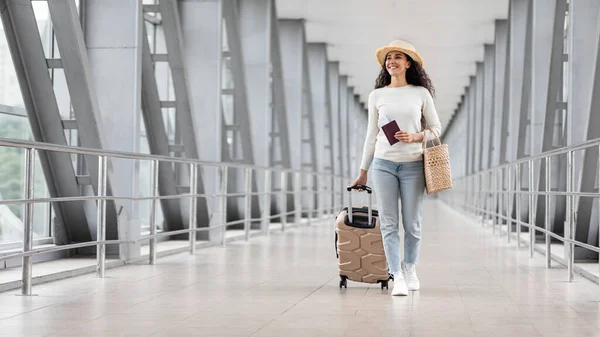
403	92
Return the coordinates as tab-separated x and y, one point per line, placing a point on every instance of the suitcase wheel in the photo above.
343	281
384	284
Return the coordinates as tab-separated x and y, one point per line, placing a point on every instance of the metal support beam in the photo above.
472	95
552	122
344	120
479	117
322	116
201	26
488	108
514	79
171	23
500	50
280	136
334	91
585	102
158	140
524	110
299	101
71	44
262	66
20	26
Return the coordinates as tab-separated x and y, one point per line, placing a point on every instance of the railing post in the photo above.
547	212
494	214
154	189
531	211
499	188
508	202
313	197
248	200
283	196
101	216
518	191
28	189
570	223
318	196
223	213
311	201
598	200
266	211
297	197
193	208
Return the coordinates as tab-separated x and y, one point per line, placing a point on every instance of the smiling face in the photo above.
396	63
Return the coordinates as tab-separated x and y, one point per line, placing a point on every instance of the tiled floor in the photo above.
473	284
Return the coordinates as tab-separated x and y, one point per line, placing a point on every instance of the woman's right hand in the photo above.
360	180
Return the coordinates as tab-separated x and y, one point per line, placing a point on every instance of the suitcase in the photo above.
359	244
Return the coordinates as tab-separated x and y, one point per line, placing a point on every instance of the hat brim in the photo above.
382	52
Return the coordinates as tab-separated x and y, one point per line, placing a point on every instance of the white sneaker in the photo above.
399	286
410	274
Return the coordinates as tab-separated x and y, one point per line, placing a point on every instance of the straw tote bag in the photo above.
436	161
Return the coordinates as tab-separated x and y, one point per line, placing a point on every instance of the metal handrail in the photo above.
30	148
26	144
484	194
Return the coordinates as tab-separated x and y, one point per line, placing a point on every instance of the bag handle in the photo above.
432	141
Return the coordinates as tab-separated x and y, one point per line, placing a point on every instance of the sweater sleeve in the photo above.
372	131
431	117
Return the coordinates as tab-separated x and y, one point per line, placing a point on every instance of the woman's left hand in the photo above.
406	137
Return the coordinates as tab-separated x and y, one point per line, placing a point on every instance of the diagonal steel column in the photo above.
472	126
280	112
334	91
488	108
514	79
243	122
23	39
185	123
344	117
299	101
585	108
201	26
158	140
553	95
69	36
255	25
479	117
322	115
500	47
525	108
319	90
280	136
541	50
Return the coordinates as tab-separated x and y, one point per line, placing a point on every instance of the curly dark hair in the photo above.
415	75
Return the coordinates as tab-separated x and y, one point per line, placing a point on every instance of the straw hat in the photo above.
401	46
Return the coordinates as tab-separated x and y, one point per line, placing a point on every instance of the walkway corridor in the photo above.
473	284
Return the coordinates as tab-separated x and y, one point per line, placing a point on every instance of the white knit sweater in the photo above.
405	105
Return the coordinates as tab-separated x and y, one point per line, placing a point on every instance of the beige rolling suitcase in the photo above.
359	245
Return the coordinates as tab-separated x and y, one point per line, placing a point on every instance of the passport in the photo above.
389	130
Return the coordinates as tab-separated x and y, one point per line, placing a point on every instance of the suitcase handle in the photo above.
360	187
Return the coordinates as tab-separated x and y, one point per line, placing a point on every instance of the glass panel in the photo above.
42	16
162	72
10	93
228	113
145	190
11	184
169	120
227	75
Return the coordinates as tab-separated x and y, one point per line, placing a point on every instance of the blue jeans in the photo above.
407	181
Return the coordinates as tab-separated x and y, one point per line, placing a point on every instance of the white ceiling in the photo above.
449	35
